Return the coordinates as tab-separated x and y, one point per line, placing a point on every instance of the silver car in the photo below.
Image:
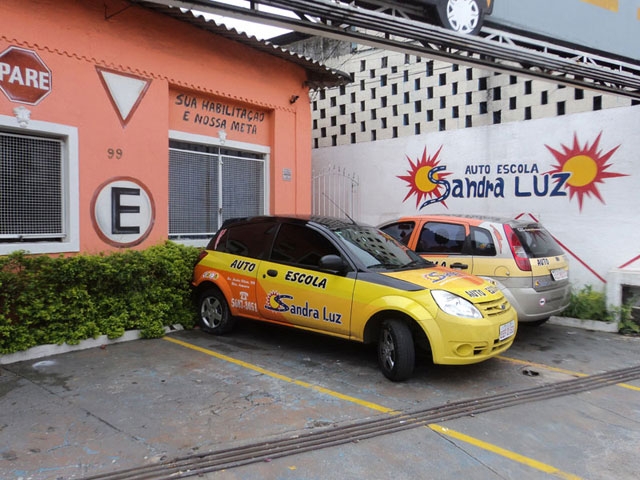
520	256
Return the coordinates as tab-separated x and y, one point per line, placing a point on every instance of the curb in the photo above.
100	342
594	325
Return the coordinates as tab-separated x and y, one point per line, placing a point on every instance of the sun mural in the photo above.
587	166
424	179
579	172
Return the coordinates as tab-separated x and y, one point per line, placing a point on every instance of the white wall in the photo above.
600	235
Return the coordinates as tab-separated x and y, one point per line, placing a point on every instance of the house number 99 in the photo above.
114	153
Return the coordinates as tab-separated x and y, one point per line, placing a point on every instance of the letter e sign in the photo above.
123	212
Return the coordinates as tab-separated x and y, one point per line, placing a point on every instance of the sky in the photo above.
262	32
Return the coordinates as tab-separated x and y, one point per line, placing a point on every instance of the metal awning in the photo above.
318	75
497	50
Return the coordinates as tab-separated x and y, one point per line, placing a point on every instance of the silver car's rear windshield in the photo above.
537	242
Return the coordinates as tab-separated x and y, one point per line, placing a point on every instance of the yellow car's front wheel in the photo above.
396	350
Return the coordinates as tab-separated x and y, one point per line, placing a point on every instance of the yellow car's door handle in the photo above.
461	266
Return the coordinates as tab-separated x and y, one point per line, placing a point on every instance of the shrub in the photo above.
588	304
628	324
46	300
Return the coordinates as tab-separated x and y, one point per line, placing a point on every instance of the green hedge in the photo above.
588	304
55	300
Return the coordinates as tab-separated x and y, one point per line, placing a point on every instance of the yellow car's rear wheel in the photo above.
214	315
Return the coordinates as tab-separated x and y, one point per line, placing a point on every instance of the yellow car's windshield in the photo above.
377	250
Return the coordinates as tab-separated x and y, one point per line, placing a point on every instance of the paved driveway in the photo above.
273	403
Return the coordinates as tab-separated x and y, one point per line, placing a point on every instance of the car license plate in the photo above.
507	329
559	274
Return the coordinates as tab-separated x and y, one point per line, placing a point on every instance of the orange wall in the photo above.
74	37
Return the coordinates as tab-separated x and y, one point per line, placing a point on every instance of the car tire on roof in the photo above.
214	315
396	350
462	16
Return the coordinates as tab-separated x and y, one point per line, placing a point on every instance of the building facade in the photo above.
124	124
396	95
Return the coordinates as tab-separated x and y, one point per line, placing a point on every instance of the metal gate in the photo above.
335	193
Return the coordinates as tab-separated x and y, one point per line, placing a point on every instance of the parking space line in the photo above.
373	406
559	370
284	378
503	452
630	387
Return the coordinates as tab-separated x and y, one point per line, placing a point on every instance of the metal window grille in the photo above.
243	187
193	195
207	186
31	188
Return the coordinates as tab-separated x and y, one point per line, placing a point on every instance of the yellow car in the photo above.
351	281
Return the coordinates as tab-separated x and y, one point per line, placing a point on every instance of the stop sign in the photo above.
24	77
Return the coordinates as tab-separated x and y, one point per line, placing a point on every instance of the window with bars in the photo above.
31	188
210	184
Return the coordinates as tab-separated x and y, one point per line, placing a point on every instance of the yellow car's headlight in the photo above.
455	305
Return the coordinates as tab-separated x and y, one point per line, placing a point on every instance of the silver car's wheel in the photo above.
396	351
214	312
463	16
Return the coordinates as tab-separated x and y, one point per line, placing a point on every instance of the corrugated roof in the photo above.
318	75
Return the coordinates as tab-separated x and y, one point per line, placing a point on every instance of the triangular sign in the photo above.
125	91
